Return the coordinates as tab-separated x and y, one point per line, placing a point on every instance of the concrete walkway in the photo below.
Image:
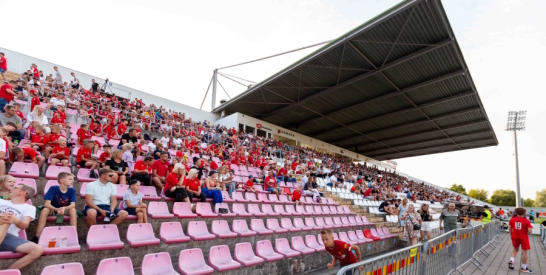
497	263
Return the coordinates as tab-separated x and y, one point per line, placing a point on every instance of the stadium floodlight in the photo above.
516	122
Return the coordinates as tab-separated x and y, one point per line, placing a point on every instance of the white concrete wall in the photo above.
20	63
229	121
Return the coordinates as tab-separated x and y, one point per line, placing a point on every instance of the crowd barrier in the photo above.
445	254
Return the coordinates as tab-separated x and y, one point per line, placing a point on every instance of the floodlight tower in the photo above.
516	122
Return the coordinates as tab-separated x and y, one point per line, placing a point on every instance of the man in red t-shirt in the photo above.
270	184
160	169
6	94
143	170
3	65
20	153
340	250
35	71
520	228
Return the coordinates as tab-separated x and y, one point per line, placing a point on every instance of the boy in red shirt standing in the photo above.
340	251
34	101
520	228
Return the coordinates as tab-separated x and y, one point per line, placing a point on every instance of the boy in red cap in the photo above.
520	228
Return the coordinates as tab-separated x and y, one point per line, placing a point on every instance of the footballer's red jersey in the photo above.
342	252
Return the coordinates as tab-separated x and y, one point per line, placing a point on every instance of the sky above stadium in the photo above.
170	48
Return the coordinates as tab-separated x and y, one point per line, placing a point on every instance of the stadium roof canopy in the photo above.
396	86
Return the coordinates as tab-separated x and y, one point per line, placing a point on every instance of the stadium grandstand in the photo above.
111	180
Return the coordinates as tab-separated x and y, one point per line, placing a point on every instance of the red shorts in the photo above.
523	242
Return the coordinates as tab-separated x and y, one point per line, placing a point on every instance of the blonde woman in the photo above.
174	184
402	208
426	219
193	186
37	115
410	219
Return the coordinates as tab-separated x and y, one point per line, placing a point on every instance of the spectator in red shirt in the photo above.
143	170
174	184
271	185
296	195
60	153
160	169
85	160
249	186
105	155
6	94
520	228
193	186
3	65
34	101
52	140
340	250
19	154
122	128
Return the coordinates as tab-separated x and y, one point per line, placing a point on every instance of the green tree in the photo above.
504	197
528	202
458	188
479	194
540	199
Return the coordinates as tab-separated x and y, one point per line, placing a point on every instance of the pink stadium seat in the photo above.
24	170
171	232
99	139
240	210
157	263
83	175
141	234
353	221
273	198
226	206
103	237
301	210
336	238
337	221
129	217
332	202
261	191
263	198
59	163
290	209
310	222
375	234
326	210
309	200
183	210
238	196
118	266
352	236
340	210
204	210
319	221
284	199
198	231
27	182
258	226
319	239
69	268
192	262
163	197
345	221
149	193
282	247
299	245
241	227
386	232
286	223
120	190
60	232
245	255
279	209
298	223
159	210
266	209
333	210
49	184
346	210
220	259
361	237
273	224
328	221
220	228
12	255
318	210
225	196
344	238
251	197
264	249
254	209
310	210
53	171
361	220
311	242
365	221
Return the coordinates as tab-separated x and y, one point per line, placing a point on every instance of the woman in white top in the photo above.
37	115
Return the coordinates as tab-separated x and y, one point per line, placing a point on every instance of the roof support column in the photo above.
214	81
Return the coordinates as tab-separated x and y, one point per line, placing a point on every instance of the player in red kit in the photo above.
520	228
341	251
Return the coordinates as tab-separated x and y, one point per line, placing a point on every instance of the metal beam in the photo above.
364	152
408	124
368	74
398	155
418	134
260	102
433	147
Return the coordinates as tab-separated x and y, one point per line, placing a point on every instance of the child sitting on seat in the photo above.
249	186
18	154
60	153
104	156
296	195
38	141
132	202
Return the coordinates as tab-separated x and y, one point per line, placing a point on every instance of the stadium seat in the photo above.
375	234
263	198
279	209
264	249
319	239
336	238
141	234
284	199
361	237
149	193
28	182
220	228
226	197
183	210
240	210
159	210
70	243
299	245
204	210
12	255
332	202
337	221
273	224
220	259
311	242
157	263
345	221
369	235
318	210
386	232
274	199
244	254
353	238
333	211
165	198
258	226
103	237
310	222
290	210
192	262
53	171
241	227
347	211
251	197
344	238
266	209
328	221
326	210
171	232
238	197
298	223
319	221
286	223
121	265
225	206
254	209
198	231
24	170
310	211
282	247
68	268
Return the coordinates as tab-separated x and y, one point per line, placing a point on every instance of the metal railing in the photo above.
445	254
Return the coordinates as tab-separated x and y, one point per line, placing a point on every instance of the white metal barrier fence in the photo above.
445	254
